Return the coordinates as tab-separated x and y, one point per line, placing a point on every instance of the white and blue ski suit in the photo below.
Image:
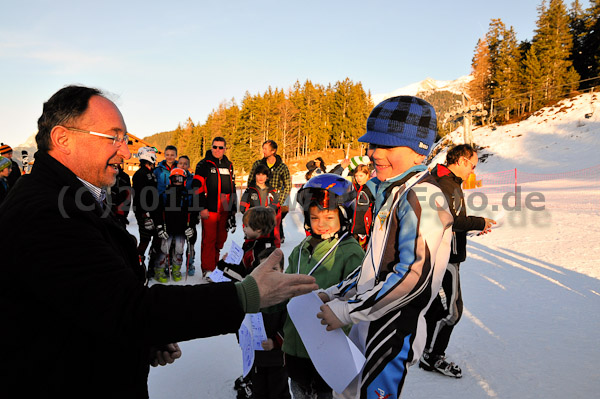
386	298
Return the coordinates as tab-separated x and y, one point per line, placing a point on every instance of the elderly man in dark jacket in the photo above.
79	320
446	309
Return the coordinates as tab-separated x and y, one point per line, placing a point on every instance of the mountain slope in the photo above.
456	86
553	140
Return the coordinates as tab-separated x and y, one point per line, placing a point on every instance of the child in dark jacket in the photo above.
269	375
363	214
174	225
258	224
259	193
268	378
184	163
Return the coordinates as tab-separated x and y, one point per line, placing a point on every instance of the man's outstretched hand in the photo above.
275	286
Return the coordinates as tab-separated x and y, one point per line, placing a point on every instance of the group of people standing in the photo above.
87	295
169	202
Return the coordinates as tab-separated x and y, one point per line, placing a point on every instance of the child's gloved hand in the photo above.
148	224
231	223
161	232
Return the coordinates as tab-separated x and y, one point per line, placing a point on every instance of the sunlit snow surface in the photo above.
531	288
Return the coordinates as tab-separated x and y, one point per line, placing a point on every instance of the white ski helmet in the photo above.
147	154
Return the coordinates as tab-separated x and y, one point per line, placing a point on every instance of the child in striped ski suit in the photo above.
385	299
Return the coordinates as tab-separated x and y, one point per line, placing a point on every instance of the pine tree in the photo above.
339	118
552	43
577	22
479	87
250	124
506	90
590	46
532	78
494	38
288	125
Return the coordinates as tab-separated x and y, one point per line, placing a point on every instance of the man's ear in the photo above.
60	140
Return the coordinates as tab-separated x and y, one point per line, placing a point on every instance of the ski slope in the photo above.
531	288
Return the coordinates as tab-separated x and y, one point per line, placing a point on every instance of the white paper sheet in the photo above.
258	330
251	335
235	254
335	357
245	337
217	276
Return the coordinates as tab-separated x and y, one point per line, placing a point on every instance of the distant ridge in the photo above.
456	86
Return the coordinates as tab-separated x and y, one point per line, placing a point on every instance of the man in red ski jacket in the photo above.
214	183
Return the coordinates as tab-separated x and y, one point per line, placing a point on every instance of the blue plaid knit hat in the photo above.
403	121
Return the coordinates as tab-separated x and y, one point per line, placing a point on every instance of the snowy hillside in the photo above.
30	142
531	288
455	86
553	140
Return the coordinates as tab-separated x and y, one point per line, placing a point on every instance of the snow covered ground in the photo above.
531	325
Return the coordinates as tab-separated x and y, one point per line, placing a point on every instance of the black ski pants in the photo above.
445	311
270	383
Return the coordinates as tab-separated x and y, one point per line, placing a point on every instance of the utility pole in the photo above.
465	114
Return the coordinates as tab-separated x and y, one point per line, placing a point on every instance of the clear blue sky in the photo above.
170	60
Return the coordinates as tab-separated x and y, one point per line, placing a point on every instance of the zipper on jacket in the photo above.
454	244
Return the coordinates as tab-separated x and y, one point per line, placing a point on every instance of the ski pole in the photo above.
189	252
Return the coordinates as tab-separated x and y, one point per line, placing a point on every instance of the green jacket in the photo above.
344	259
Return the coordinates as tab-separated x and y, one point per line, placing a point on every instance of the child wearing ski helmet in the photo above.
329	254
145	194
363	215
174	225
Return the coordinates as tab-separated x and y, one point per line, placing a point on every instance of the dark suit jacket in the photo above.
78	320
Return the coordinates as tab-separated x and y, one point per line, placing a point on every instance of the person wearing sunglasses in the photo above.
447	307
81	319
214	183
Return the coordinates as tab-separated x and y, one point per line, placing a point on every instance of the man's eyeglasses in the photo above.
218	147
473	166
117	139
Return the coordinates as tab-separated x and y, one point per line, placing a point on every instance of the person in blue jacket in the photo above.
164	168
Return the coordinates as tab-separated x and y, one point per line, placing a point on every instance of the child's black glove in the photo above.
231	223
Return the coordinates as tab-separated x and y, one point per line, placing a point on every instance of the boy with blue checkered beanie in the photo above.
385	299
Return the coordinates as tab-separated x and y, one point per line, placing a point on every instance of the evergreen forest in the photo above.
511	80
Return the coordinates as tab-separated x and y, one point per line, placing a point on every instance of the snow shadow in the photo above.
530	329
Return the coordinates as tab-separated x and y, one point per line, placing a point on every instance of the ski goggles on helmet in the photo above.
327	191
177	179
